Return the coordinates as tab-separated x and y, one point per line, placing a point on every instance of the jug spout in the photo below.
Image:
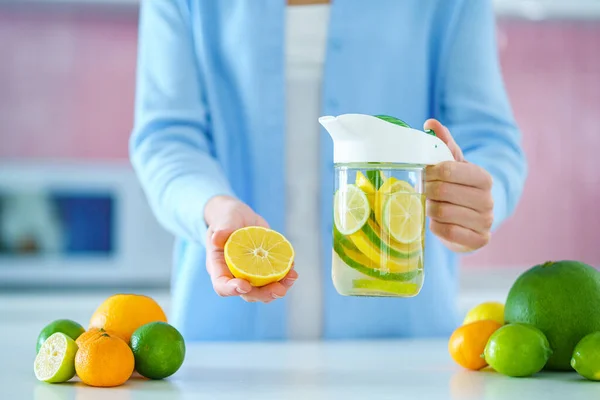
334	127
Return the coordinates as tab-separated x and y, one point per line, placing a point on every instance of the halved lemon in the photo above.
351	209
404	217
258	255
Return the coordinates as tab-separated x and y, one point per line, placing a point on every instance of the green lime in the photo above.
55	362
159	350
517	350
586	357
351	209
66	326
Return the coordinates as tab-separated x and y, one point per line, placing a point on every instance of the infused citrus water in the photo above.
378	230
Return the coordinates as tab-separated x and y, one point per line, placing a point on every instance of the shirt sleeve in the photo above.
170	146
475	108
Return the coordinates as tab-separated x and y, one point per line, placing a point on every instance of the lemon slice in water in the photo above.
258	255
351	209
392	185
55	362
403	216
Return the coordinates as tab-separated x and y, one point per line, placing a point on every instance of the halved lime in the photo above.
403	216
55	362
351	209
377	287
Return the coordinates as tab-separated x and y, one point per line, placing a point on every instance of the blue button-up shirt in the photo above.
210	120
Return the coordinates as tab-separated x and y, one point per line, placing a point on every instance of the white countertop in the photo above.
309	371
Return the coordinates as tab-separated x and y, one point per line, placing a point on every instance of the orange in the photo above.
122	314
104	360
89	334
468	342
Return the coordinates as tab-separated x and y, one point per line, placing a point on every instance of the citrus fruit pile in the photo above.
551	320
127	332
379	226
511	349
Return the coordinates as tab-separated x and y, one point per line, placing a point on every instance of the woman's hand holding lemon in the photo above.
459	198
225	215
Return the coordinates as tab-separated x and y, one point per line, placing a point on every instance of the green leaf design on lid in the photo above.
393	120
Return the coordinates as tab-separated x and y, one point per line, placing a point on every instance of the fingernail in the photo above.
275	296
240	290
288	282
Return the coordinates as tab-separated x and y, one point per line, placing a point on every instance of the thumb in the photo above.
444	134
220	236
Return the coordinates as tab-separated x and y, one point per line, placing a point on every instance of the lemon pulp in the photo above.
258	255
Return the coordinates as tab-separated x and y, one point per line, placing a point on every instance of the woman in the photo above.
226	136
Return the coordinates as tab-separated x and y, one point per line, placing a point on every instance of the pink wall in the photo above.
66	84
74	75
552	74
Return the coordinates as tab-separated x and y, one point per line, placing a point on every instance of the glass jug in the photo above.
379	204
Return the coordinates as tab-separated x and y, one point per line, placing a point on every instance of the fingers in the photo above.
225	285
461	173
223	282
273	291
444	134
461	238
290	278
266	294
260	221
449	213
220	236
477	199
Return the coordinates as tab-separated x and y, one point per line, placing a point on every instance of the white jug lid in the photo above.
366	138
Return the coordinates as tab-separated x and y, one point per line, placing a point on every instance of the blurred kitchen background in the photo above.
74	224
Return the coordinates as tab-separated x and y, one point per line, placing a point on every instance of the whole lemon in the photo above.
490	310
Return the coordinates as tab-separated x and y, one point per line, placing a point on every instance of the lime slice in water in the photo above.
351	209
55	362
403	216
377	287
